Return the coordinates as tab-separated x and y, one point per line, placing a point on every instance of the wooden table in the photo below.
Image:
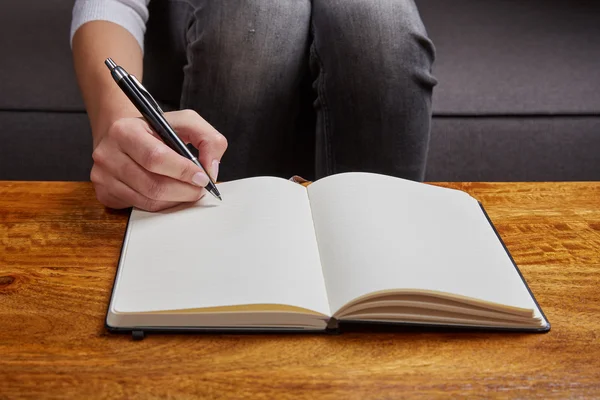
58	252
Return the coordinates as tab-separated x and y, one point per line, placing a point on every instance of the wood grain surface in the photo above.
59	249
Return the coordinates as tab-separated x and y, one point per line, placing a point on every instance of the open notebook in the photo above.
361	247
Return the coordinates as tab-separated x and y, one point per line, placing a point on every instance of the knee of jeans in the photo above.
382	35
256	46
248	29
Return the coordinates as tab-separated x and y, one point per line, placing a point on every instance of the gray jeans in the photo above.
310	87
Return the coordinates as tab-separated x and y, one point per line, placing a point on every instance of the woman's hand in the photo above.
134	167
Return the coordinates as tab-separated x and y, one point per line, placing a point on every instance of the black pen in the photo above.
151	111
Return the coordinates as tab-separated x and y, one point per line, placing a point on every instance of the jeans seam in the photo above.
322	96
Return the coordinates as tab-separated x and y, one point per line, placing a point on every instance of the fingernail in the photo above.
200	179
215	169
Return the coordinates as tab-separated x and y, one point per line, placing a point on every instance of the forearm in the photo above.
93	43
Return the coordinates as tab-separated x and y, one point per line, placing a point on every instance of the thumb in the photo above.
194	129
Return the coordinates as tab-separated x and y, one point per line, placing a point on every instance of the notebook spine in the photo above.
333	326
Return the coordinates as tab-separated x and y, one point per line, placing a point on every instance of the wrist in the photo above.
106	116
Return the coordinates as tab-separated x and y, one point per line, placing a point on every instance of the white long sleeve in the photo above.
130	14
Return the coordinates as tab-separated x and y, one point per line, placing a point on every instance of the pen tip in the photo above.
215	192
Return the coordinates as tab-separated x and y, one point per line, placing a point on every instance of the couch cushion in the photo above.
515	56
37	68
514	149
46	146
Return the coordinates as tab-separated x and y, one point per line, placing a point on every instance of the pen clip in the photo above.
146	94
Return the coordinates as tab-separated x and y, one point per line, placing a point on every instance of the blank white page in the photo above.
258	246
382	233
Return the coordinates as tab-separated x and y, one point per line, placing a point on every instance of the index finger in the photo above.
194	129
155	156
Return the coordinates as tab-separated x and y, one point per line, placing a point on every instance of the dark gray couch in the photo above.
518	98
